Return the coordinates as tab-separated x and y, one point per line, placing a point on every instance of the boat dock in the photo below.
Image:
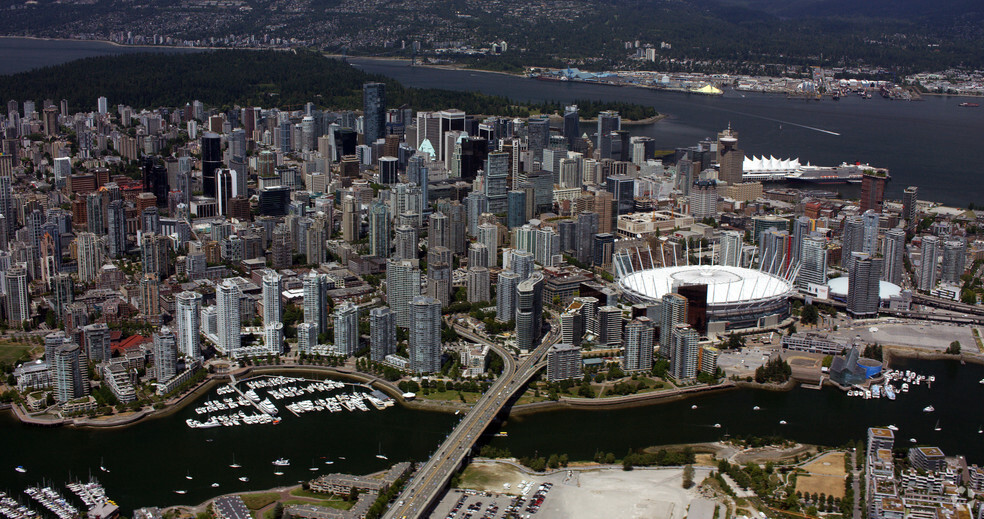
232	384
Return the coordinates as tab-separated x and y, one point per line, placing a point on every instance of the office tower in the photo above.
388	170
417	174
929	253
572	125
272	306
96	339
703	199
346	321
813	262
165	355
94	213
731	245
516	209
954	260
18	298
439	282
802	227
909	207
529	312
730	159
603	248
374	111
488	235
609	326
382	333
622	188
852	241
538	136
522	264
102	105
379	230
674	312
402	285
307	337
227	312
406	242
496	181
608	122
457	224
116	218
873	191
211	148
683	362
506	296
587	227
476	204
862	291
478	255
316	301
351	219
69	372
563	362
775	251
89	256
425	335
438	233
477	283
188	308
893	251
764	223
638	354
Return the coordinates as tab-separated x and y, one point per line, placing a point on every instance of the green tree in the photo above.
688	476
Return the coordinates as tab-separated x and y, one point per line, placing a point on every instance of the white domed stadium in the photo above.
738	297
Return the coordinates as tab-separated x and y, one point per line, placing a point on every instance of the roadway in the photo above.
428	484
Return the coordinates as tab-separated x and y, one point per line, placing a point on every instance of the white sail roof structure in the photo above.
770	165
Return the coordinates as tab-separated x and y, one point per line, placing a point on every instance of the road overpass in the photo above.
428	484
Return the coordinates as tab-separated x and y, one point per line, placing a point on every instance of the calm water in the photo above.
160	453
825	417
933	144
23	54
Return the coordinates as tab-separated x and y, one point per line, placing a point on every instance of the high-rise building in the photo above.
538	136
18	297
211	147
439	281
496	181
379	230
273	338
346	320
572	124
425	335
69	372
457	226
529	312
438	232
954	260
909	207
154	258
351	219
893	251
272	305
315	288
188	307
116	219
730	158
873	191
477	284
813	262
150	296
382	333
802	227
165	355
731	246
374	111
563	362
506	296
478	255
683	362
674	312
307	337
402	286
638	354
863	281
227	317
96	339
522	264
610	326
488	235
516	209
775	251
852	241
405	243
572	324
703	199
476	204
929	254
587	227
608	122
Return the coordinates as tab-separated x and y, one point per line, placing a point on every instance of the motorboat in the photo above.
929	409
215	485
243	479
20	469
782	422
693	406
717	426
893	428
282	462
756	408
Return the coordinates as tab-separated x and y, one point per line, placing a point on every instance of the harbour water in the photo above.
147	462
23	54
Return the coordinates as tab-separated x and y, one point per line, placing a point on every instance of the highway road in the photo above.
429	482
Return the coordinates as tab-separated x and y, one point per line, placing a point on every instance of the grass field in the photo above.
11	352
831	464
450	395
257	501
481	476
825	475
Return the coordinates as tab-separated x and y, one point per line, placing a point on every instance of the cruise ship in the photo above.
771	169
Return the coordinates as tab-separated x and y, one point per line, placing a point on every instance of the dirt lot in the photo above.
825	475
491	476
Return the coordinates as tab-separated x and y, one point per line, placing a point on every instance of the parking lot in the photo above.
472	504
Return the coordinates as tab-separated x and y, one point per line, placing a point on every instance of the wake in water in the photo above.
780	121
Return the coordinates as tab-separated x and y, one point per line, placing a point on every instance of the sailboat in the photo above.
234	464
937	428
102	466
188	476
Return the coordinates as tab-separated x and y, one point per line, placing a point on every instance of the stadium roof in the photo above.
725	285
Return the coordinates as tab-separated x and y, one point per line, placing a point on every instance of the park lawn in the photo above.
490	476
259	500
470	398
336	503
11	352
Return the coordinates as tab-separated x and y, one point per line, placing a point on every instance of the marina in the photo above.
895	383
281	388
